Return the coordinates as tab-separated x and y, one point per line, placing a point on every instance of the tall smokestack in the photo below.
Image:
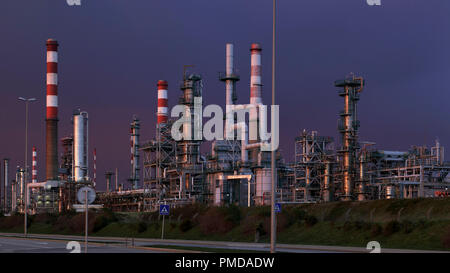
255	76
52	111
255	94
34	167
230	79
162	102
229	72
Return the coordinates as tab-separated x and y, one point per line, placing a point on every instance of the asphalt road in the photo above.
22	245
44	243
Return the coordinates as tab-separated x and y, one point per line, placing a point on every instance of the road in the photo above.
37	243
34	245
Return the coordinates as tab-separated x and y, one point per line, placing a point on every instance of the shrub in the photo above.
185	225
44	218
310	220
376	230
214	221
407	226
11	222
299	214
446	239
233	214
141	227
107	217
282	222
391	228
250	224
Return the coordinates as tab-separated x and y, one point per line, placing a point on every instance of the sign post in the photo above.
163	210
86	196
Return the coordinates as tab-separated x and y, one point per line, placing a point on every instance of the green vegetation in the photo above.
410	224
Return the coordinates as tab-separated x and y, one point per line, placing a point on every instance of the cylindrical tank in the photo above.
390	192
263	185
80	145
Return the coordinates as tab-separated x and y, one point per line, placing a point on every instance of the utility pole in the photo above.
25	198
273	219
86	222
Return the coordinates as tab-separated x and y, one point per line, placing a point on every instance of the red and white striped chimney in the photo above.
163	108
52	111
34	166
255	75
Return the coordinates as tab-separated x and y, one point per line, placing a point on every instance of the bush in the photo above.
310	220
142	227
376	230
250	224
11	222
260	229
107	217
446	239
282	222
299	214
233	214
391	228
214	221
185	225
44	218
407	226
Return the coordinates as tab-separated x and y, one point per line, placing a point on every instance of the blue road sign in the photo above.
164	209
277	207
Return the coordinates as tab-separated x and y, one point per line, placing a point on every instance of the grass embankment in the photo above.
410	224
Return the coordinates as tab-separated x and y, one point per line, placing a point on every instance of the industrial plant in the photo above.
164	170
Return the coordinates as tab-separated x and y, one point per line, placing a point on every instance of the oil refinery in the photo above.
237	171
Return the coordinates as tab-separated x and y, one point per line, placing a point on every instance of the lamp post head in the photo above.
27	100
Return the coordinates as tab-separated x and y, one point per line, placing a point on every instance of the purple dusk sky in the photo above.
112	53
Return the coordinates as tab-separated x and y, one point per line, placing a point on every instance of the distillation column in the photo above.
348	127
189	147
5	184
134	140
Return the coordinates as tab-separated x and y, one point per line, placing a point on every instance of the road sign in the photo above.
90	195
277	207
164	209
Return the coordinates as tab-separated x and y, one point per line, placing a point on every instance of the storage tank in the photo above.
80	146
263	186
390	192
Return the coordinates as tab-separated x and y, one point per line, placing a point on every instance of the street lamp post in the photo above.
25	198
273	219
